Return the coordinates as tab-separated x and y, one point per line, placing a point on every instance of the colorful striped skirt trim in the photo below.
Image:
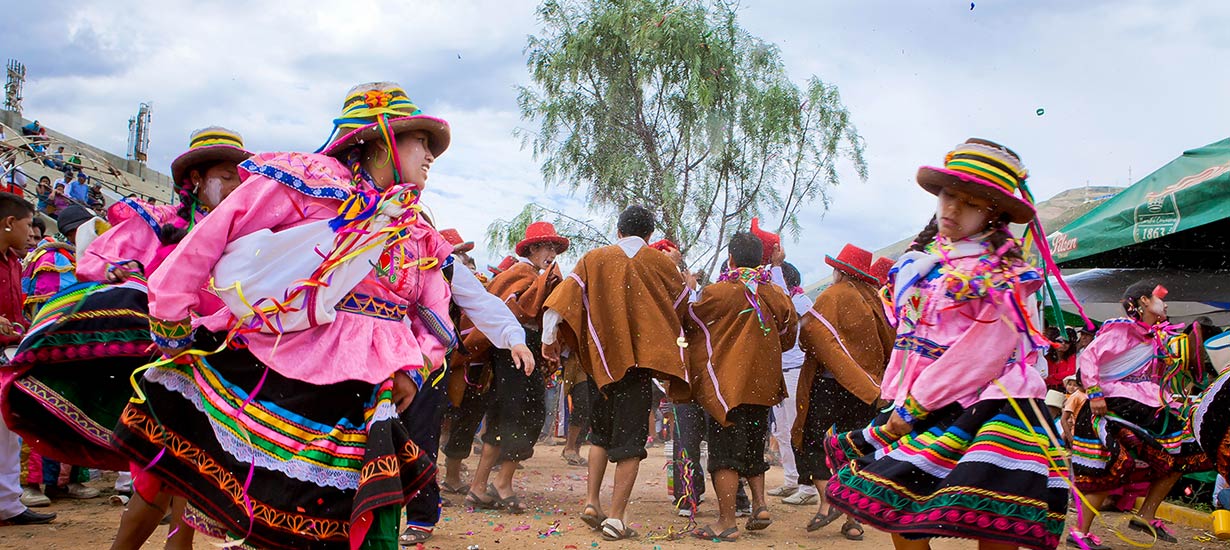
300	466
1108	452
977	473
69	381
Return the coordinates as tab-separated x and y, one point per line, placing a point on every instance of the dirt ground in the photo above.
554	493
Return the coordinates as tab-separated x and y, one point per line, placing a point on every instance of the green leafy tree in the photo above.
673	105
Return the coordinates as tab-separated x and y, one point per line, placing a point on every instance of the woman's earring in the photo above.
8	229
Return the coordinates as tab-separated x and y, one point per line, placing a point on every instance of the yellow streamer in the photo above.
1053	440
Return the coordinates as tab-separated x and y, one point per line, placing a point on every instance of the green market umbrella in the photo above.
1177	217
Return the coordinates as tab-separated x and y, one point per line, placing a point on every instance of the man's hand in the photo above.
7	328
897	426
1098	406
778	256
404	390
689	279
121	272
550	352
523	358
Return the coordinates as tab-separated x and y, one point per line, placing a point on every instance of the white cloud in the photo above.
1124	84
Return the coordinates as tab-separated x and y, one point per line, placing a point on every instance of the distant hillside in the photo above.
1056	212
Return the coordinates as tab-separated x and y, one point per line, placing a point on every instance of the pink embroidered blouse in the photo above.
952	351
134	237
284	190
1129	343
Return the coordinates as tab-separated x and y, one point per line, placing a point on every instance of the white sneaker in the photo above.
123	483
685	512
801	498
783	490
79	491
32	497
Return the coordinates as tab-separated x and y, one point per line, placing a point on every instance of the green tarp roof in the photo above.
1177	217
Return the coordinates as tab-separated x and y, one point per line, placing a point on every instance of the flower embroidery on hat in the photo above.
377	98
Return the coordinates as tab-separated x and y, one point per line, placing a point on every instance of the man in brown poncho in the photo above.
737	331
517	409
847	340
619	312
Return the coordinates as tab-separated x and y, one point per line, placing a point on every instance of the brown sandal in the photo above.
852	526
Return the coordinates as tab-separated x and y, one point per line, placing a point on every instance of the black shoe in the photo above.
30	517
1091	542
1156	527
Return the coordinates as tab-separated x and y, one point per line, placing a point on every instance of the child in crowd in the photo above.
1123	372
517	409
957	455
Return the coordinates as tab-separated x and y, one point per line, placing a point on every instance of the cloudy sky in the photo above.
1126	85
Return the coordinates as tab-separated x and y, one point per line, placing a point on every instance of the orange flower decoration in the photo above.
377	98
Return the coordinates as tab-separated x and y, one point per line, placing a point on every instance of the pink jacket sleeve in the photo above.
259	203
434	294
976	358
1089	360
131	240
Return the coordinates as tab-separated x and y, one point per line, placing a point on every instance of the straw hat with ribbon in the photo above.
985	169
212	144
381	110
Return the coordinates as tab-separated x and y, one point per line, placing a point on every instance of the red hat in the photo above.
853	261
880	269
769	240
664	245
454	238
506	263
541	232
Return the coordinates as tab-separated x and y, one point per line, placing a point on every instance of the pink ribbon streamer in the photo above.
593	333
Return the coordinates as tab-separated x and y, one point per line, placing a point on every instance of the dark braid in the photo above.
1000	235
170	234
926	236
1133	295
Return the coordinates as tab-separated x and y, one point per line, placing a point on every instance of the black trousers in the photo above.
516	414
831	405
691	424
466	419
422	419
582	409
621	415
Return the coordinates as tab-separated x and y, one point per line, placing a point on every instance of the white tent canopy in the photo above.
1191	294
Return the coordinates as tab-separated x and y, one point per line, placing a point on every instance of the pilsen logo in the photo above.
1062	244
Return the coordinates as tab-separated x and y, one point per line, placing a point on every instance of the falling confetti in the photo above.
1041	111
971	6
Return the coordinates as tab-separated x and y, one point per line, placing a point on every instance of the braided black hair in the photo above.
926	236
170	233
1000	235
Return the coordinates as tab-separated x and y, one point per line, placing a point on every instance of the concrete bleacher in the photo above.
119	177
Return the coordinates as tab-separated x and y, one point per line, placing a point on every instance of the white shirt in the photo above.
551	318
793	357
488	313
